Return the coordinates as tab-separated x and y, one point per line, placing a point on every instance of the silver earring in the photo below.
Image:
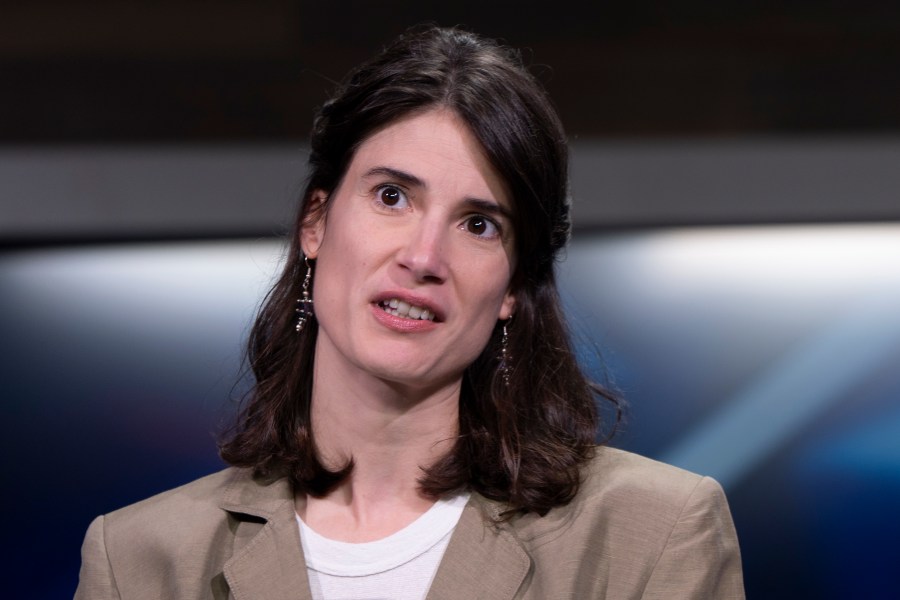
304	302
505	357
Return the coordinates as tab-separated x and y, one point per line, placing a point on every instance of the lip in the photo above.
401	324
409	298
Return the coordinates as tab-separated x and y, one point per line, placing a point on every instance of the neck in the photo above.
391	432
390	439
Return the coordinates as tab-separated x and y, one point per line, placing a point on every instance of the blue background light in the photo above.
763	356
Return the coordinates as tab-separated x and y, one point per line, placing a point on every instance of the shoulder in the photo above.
175	544
638	524
617	478
194	499
621	491
200	510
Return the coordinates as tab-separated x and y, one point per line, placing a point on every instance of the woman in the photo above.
419	425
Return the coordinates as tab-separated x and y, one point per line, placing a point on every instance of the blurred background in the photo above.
736	258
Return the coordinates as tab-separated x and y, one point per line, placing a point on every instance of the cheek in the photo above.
493	295
346	260
343	242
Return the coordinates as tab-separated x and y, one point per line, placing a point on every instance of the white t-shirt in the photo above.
398	567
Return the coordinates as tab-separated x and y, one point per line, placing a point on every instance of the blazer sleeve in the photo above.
95	581
701	558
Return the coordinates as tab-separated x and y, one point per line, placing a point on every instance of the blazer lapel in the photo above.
483	560
268	562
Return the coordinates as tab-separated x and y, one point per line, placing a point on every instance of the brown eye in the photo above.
391	196
477	225
481	226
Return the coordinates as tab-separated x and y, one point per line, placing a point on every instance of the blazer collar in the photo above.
484	559
268	558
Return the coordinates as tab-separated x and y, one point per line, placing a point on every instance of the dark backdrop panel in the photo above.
193	70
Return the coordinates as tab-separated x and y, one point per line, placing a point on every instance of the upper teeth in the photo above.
399	308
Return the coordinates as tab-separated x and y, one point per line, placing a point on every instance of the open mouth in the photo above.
405	310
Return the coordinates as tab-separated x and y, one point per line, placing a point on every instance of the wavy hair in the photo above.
521	442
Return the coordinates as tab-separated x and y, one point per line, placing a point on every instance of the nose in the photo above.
423	254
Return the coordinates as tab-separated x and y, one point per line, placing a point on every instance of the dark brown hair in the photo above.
521	443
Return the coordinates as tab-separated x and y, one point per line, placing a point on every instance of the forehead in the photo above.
437	147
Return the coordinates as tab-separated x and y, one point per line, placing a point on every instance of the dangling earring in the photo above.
505	357
304	302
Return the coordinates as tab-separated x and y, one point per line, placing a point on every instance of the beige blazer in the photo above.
637	529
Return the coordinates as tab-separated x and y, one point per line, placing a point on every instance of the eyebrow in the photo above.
486	206
490	207
403	176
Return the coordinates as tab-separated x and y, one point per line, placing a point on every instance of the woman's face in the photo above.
414	256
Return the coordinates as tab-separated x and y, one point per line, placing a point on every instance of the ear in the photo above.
312	232
508	308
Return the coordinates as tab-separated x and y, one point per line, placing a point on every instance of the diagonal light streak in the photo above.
822	370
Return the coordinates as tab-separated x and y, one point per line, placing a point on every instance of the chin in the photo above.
419	377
